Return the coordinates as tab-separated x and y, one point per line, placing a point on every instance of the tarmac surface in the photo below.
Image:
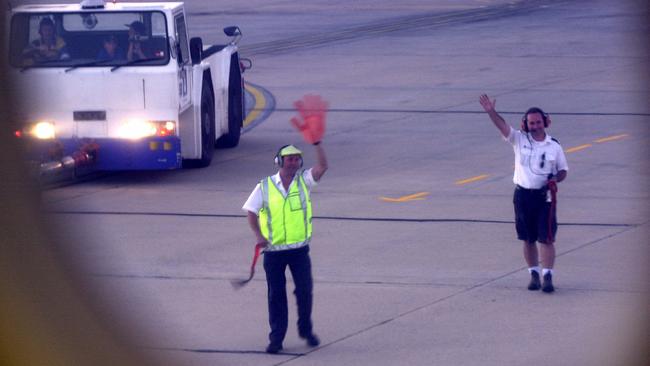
415	258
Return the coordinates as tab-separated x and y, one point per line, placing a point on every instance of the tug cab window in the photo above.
87	39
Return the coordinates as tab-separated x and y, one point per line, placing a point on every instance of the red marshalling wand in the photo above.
237	284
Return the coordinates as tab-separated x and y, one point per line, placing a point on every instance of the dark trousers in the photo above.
275	264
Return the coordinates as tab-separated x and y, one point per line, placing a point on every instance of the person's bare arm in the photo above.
489	107
255	227
321	166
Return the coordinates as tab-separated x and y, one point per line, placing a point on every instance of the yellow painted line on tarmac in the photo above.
577	148
601	140
611	138
260	103
412	197
472	179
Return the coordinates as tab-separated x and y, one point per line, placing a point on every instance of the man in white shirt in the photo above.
279	214
540	164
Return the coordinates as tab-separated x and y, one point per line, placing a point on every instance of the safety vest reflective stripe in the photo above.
279	247
283	224
265	198
303	203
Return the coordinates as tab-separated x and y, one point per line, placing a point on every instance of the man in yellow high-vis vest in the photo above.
279	214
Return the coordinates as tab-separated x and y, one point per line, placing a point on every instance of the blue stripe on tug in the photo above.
151	153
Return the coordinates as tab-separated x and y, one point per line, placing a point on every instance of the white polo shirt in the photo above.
256	201
535	160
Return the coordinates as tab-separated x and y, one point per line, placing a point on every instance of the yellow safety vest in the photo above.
285	221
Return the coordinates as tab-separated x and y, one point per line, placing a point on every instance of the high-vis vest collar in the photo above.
285	221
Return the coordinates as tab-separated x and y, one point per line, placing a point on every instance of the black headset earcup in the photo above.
278	159
524	124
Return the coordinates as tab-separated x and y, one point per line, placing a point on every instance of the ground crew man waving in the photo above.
280	215
539	165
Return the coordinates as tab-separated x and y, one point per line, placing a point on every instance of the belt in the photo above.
531	189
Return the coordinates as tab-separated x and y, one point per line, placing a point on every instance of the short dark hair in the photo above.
110	38
533	110
138	27
46	21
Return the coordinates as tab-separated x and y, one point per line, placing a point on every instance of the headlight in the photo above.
136	129
169	128
41	130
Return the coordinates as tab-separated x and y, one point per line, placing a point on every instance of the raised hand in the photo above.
312	110
487	103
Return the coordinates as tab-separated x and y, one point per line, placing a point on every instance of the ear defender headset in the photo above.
279	159
524	123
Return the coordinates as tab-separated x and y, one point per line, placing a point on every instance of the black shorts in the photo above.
531	215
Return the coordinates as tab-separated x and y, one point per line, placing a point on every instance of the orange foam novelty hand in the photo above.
311	119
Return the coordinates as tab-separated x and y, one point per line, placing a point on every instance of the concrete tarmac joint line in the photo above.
462	291
205	350
338	218
428	20
406	313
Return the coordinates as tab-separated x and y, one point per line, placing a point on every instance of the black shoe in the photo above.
274	348
312	339
548	283
534	284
